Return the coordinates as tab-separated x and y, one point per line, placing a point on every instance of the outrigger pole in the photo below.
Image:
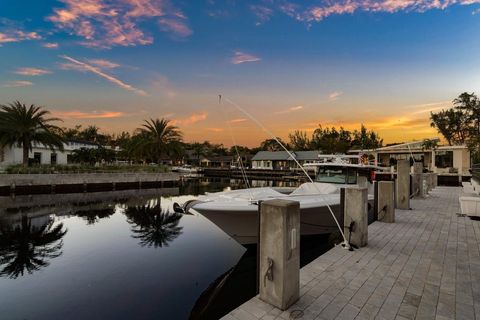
345	243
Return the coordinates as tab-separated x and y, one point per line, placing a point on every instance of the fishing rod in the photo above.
345	243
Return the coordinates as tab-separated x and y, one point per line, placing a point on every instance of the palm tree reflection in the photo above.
153	226
28	248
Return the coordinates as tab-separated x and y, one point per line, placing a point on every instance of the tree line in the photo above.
460	124
154	140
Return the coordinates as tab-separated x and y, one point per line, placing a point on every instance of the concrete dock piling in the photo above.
279	252
355	210
403	185
418	177
385	202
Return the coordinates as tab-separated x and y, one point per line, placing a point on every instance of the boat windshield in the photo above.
340	175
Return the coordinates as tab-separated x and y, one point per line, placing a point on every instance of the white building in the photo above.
444	160
42	154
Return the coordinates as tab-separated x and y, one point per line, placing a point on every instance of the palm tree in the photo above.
27	248
154	227
24	126
158	138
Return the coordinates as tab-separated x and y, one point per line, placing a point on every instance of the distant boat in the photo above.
186	168
235	212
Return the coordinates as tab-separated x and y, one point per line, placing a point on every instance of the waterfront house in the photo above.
281	160
444	160
41	154
216	161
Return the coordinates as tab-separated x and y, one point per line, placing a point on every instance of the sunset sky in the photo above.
291	64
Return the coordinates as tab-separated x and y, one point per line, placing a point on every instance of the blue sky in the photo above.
294	65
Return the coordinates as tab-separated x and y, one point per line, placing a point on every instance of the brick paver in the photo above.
426	265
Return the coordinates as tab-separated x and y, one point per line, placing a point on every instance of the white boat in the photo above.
186	168
235	212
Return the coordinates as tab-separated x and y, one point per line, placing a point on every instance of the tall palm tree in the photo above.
159	138
28	248
153	226
25	126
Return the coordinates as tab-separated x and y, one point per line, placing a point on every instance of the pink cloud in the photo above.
194	118
32	71
104	23
334	95
323	10
85	67
18	83
17	36
104	64
262	13
241	57
88	115
50	45
176	26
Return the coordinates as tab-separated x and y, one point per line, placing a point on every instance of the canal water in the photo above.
124	255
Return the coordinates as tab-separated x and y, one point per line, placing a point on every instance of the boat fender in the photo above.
189	204
177	208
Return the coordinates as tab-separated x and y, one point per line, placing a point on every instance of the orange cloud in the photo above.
32	71
194	118
429	107
88	115
290	110
82	66
215	129
238	120
241	57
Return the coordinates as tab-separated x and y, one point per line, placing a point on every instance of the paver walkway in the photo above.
426	265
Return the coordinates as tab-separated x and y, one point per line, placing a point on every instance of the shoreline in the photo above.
83	182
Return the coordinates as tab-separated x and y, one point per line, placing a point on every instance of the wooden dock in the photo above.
426	265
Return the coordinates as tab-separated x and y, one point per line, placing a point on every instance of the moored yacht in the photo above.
235	211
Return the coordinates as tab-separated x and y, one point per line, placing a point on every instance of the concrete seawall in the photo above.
83	182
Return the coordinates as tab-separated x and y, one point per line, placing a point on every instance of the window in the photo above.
53	158
37	157
337	175
444	159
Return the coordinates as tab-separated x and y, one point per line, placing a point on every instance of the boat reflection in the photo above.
28	245
152	225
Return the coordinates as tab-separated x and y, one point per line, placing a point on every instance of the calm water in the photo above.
122	255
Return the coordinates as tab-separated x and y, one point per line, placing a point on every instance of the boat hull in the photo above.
243	225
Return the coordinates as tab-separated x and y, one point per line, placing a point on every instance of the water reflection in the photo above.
93	215
153	226
28	247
